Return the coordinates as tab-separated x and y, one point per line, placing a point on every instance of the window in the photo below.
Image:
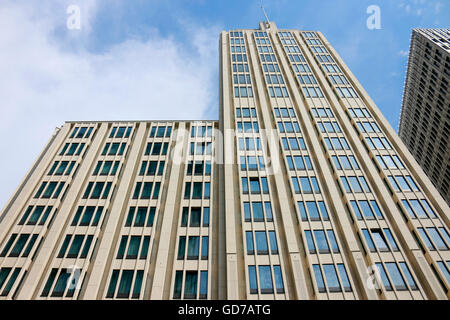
193	248
313	211
265	279
253	284
319	279
396	276
321	241
331	278
125	284
261	242
190	286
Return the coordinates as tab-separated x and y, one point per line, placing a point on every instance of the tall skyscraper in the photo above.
301	190
425	117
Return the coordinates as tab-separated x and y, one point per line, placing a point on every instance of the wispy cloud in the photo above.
403	53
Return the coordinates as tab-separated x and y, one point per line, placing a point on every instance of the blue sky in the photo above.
158	59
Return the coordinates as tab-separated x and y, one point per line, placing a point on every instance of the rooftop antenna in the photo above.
265	15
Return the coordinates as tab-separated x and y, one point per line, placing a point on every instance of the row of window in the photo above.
87	216
355	184
81	132
396	279
247	126
403	183
364	209
191	279
31	217
293	143
249	144
127	279
21	245
246	112
64	281
193	248
368	127
133	247
112	149
138	217
241	79
266	277
243	92
291	49
51	191
95	190
331	281
338	79
305	185
299	163
236	41
274	79
317	49
4	274
271	67
312	92
346	92
313	42
284	112
105	168
120	132
258	210
201	131
71	149
194	216
78	246
336	143
265	48
312	211
257	242
268	57
143	190
328	126
345	162
156	149
306	79
257	185
60	168
160	131
151	168
288	127
418	209
251	163
390	162
380	239
321	241
194	190
322	112
201	148
359	113
331	68
240	67
237	49
239	57
378	143
198	168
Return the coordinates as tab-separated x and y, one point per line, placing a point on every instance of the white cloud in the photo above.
403	53
45	83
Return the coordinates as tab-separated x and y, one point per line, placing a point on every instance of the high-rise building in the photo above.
425	116
301	190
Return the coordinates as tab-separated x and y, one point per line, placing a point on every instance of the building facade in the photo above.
301	190
424	121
